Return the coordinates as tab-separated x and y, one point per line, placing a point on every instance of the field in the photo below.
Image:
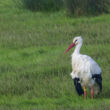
34	72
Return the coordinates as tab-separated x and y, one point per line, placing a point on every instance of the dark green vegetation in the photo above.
43	5
87	7
73	7
34	72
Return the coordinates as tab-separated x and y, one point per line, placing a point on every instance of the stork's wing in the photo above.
91	65
78	86
98	80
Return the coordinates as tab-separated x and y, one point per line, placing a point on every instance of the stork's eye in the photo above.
75	40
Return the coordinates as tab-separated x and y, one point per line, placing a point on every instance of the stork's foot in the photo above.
92	93
85	94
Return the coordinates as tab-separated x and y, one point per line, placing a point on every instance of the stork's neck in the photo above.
77	49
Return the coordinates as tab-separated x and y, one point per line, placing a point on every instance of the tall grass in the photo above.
35	73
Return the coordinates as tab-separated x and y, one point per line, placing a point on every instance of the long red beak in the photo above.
72	45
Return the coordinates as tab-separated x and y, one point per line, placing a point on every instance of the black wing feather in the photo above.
98	80
78	86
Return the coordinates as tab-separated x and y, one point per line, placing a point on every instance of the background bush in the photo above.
74	7
84	7
43	5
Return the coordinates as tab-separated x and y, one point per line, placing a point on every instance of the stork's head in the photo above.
76	41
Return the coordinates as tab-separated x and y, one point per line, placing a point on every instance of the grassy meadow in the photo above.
34	72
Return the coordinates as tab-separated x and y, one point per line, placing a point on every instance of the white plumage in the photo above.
84	67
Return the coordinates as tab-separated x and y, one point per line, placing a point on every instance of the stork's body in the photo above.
86	73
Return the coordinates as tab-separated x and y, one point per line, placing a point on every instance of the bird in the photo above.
86	73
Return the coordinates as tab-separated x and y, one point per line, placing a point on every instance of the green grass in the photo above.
34	72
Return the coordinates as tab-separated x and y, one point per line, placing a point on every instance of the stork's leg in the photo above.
84	92
92	92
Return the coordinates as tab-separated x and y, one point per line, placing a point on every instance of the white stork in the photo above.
86	73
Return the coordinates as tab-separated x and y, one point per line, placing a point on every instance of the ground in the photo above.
34	72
